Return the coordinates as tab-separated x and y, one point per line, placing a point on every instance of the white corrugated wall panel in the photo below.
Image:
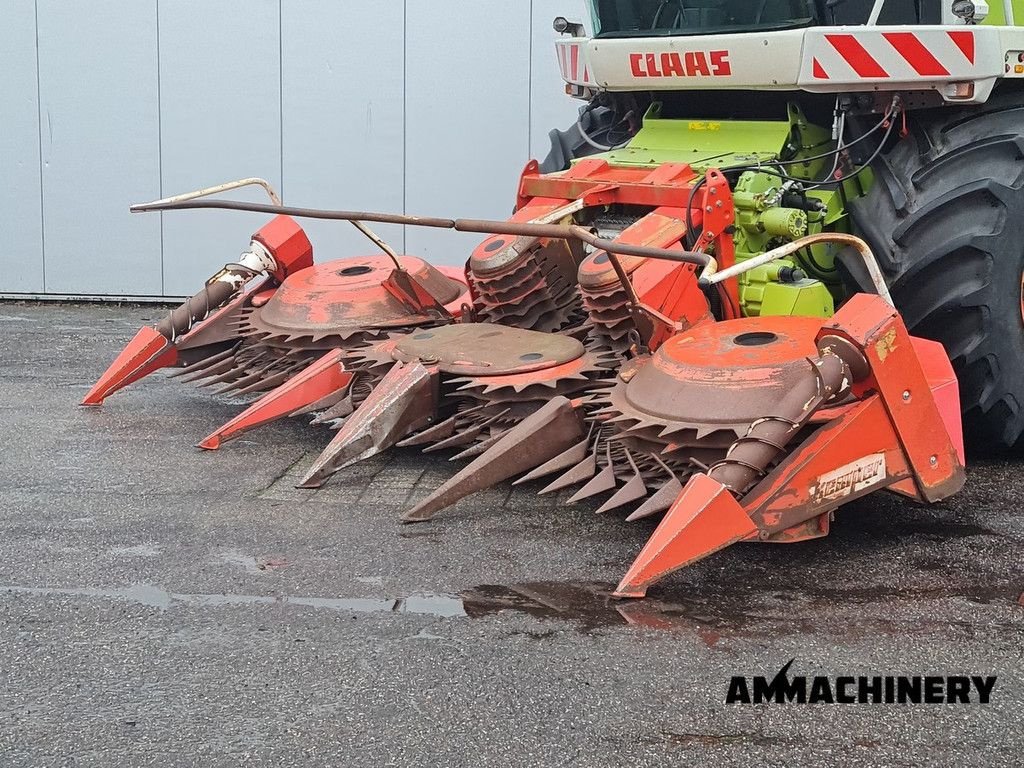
343	74
21	222
421	106
467	116
220	106
100	152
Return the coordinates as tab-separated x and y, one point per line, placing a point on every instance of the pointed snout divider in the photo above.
405	400
321	379
149	351
704	519
550	431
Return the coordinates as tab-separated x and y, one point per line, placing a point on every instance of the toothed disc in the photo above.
720	375
701	391
345	297
482	348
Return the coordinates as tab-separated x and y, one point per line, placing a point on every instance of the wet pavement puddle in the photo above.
578	606
442	606
590	606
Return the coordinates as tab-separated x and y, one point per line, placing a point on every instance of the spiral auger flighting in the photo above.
527	282
205	325
668	287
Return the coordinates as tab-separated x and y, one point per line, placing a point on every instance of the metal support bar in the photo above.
876	11
560	213
379	242
481	226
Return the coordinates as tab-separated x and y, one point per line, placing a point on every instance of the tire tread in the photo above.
946	221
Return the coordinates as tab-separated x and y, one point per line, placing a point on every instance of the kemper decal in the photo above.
685	64
851	478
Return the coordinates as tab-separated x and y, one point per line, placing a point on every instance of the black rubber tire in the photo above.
946	220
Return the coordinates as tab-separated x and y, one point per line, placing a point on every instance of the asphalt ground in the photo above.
165	606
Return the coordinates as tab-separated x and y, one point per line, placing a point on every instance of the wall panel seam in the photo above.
405	118
280	88
39	131
529	92
160	151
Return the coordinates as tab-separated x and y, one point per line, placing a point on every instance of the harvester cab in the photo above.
675	17
770	269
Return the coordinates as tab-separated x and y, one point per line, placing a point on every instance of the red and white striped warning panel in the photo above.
572	61
892	55
962	63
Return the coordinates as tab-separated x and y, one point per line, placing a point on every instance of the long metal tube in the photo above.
216	190
482	226
862	248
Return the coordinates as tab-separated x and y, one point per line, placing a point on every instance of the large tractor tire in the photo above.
945	218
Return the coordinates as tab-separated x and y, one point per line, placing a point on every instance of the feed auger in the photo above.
731	312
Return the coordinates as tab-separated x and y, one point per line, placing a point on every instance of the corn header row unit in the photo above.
774	267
